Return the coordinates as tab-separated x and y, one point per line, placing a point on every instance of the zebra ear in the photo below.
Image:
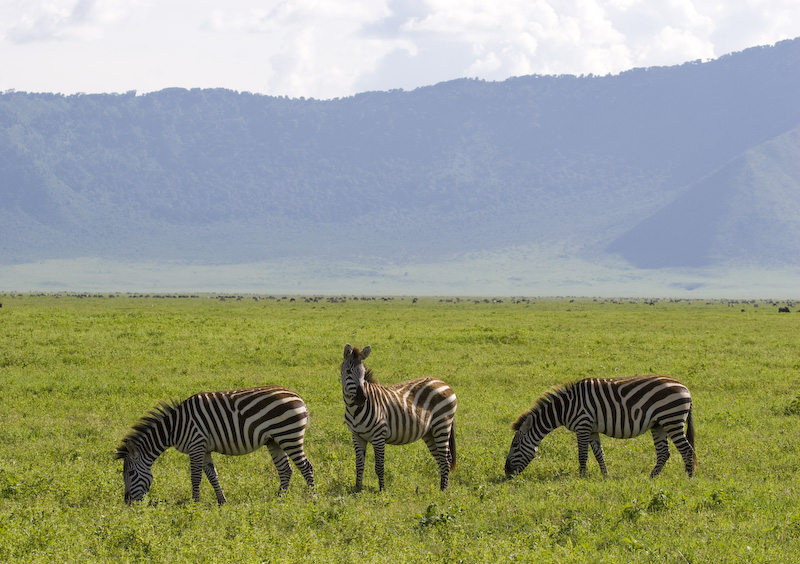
527	425
365	352
347	350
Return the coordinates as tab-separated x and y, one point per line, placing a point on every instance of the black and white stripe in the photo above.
618	407
233	422
399	414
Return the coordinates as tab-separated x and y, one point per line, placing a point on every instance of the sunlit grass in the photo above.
75	374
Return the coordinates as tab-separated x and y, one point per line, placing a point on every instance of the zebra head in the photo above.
353	375
136	471
524	447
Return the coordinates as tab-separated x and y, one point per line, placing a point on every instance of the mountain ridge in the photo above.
585	166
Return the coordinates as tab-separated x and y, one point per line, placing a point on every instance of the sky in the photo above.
334	48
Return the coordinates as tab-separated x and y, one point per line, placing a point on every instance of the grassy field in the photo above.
77	372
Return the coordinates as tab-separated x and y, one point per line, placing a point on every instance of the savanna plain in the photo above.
77	372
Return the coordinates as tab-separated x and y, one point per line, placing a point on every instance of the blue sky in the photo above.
333	48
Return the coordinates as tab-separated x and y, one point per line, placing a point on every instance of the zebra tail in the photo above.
690	436
453	445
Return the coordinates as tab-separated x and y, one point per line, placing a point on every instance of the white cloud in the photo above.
65	20
673	45
327	49
309	47
517	37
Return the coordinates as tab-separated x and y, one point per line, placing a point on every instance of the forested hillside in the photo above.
643	164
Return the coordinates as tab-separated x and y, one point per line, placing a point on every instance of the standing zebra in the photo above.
618	407
234	422
424	408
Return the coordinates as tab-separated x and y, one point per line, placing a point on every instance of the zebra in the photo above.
618	407
231	422
399	414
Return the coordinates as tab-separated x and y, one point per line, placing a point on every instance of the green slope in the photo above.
748	212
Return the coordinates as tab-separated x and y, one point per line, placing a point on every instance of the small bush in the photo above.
434	517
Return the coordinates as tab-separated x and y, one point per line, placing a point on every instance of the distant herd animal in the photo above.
242	421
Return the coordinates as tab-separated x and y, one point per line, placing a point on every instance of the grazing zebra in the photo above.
424	408
234	422
618	407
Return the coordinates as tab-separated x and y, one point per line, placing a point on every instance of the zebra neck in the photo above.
548	416
156	437
370	388
366	409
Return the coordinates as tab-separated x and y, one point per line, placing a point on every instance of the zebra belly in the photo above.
633	420
235	441
409	436
623	433
398	436
234	450
622	427
230	449
369	434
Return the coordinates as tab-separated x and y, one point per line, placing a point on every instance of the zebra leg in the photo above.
213	478
196	461
597	449
662	449
379	446
298	456
584	438
684	447
441	454
360	446
281	462
306	469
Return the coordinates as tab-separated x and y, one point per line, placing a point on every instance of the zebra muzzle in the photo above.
510	471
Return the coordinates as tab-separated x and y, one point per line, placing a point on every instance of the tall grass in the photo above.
76	373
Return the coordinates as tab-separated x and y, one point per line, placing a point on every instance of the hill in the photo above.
748	210
689	166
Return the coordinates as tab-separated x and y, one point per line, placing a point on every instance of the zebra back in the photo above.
617	407
229	422
627	407
241	421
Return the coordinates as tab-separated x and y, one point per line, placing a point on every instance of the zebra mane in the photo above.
541	402
152	418
369	376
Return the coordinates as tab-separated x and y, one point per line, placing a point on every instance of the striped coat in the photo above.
399	414
618	407
232	422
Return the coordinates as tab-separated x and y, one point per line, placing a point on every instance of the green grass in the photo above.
76	373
